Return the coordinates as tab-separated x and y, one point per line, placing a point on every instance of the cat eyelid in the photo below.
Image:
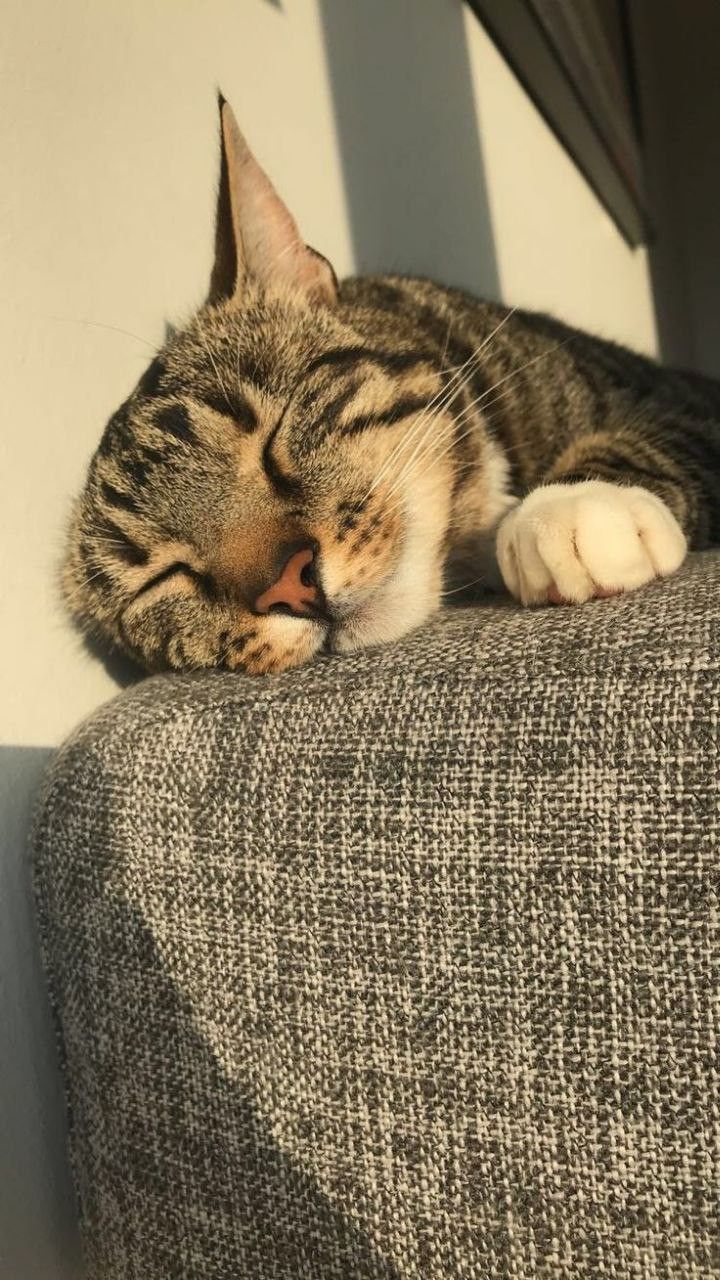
238	410
178	569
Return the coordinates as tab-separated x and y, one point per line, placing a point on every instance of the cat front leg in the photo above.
571	542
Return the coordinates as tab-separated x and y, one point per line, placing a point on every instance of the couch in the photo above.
405	964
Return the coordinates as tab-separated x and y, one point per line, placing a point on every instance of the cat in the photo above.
307	465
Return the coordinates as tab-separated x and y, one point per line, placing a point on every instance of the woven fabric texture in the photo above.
404	965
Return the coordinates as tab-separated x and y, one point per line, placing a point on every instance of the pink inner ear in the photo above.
268	243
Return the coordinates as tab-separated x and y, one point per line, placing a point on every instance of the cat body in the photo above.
309	466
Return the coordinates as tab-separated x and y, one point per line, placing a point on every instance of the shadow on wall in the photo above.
178	1131
37	1212
407	126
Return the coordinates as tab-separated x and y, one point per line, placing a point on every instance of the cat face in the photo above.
247	505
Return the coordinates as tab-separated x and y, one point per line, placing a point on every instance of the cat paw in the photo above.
566	543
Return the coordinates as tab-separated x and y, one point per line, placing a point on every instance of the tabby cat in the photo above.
308	466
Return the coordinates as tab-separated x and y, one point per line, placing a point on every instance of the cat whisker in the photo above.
98	324
410	470
213	362
447	342
109	542
418	475
444	396
429	452
403	443
465	586
509	377
406	441
72	596
289	248
428	419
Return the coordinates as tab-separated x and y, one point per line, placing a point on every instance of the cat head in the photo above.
246	506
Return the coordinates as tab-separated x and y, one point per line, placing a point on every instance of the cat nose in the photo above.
296	591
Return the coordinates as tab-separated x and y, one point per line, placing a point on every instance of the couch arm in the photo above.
404	965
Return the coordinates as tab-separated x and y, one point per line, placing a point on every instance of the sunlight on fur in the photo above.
311	467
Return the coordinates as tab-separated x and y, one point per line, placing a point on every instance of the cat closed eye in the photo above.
178	570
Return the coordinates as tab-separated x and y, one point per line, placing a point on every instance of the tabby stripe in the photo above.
175	420
136	469
330	414
596	359
612	462
505	412
387	296
694	458
462	450
401	409
696	443
100	580
117	433
162	644
152	455
392	361
626	372
218	404
222	647
503	427
240	642
172	570
554	390
236	406
245	414
118	497
436	324
612	472
122	546
597	388
149	384
287	486
700	479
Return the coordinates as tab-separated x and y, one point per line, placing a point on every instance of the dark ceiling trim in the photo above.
522	41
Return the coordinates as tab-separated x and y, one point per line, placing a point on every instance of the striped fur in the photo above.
393	421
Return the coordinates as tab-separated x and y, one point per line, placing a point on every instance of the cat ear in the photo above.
255	235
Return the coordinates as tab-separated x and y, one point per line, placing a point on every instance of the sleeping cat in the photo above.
308	465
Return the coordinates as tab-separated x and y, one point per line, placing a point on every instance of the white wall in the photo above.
400	140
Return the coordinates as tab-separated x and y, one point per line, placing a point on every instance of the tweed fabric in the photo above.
404	965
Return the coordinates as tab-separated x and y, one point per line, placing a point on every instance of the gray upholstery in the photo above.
404	965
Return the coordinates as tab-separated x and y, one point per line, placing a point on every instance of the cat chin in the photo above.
403	602
381	619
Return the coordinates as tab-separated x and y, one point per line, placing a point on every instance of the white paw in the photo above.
570	542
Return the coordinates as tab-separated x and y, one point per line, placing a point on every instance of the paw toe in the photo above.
662	538
568	575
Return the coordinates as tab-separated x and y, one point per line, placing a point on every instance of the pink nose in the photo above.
295	590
